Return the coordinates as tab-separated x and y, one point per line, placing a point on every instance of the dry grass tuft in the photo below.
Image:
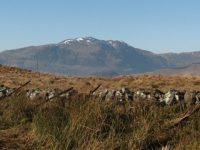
85	123
89	124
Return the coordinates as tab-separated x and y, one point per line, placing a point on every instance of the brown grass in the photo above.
13	77
89	124
86	123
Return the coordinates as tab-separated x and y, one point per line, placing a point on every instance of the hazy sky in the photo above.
156	25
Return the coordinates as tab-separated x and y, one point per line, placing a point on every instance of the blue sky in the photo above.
156	25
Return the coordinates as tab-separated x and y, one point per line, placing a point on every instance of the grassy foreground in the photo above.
85	123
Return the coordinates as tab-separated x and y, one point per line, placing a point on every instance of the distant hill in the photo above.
90	56
182	59
193	69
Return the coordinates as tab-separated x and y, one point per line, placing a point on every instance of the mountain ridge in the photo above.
91	56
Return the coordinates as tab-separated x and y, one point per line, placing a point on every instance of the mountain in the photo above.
91	56
85	56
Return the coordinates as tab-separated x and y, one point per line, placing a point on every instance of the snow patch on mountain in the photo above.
91	40
79	39
67	41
